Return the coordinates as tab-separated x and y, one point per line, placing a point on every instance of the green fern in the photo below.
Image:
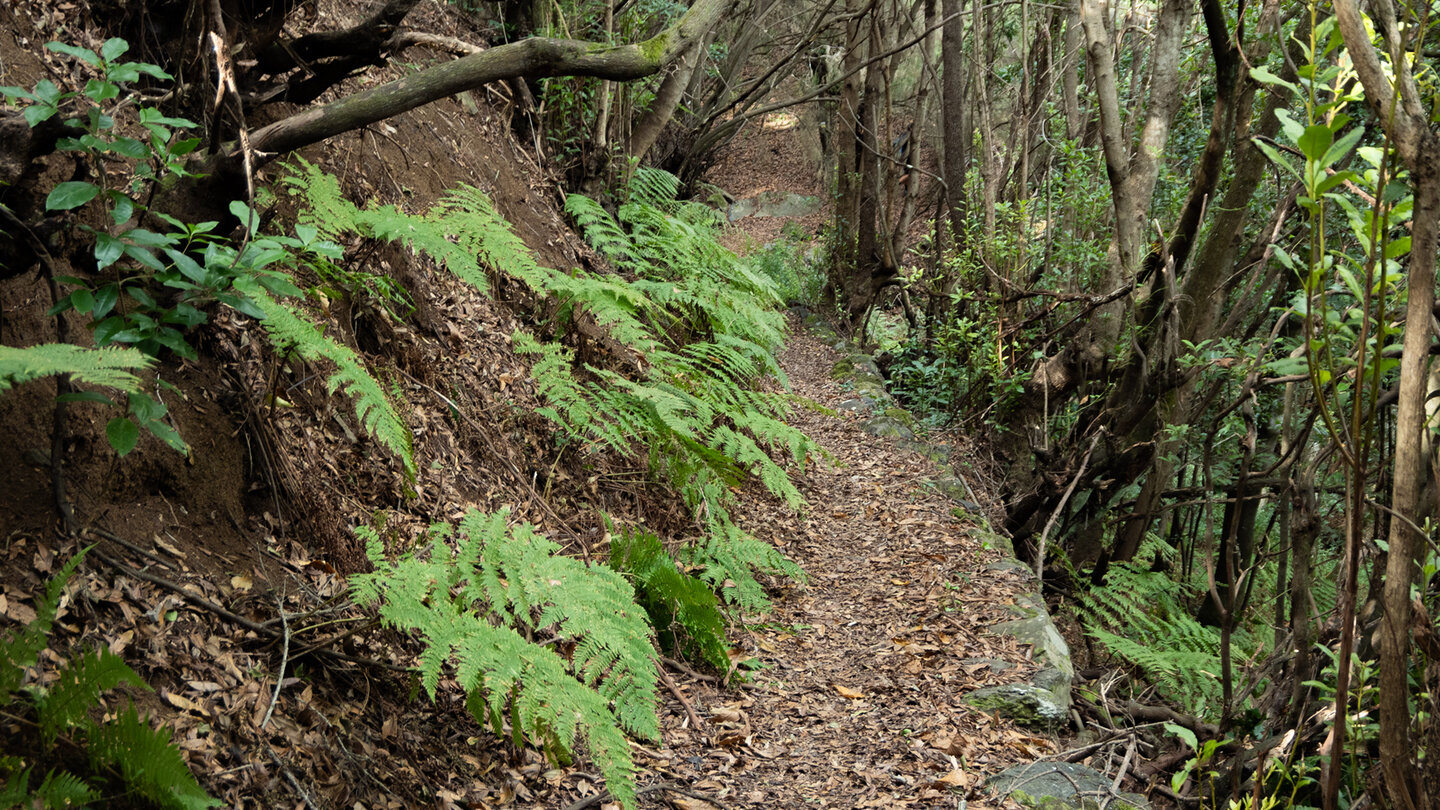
682	608
1143	617
729	555
147	761
143	757
700	324
477	606
78	688
291	331
107	367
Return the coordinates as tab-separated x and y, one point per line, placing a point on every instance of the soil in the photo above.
219	575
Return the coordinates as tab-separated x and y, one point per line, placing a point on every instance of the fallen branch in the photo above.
673	787
684	701
255	627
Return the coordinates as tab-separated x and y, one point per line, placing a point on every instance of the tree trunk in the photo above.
1407	123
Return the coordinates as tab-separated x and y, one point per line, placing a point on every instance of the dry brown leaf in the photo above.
847	692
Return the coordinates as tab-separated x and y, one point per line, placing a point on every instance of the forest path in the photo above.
857	701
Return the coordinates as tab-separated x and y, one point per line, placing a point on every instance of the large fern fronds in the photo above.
729	557
373	407
1143	616
108	367
469	602
682	608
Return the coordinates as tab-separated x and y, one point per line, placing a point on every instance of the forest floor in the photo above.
857	698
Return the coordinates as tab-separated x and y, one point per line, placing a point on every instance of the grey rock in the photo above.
995	664
1063	786
1035	627
887	427
773	204
1026	704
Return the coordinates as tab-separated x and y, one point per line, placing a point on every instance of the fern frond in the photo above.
108	367
78	689
325	206
59	789
372	406
730	557
147	761
682	608
22	650
467	603
652	186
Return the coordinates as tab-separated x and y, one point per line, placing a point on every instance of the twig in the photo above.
673	787
684	701
135	547
681	666
290	777
1124	764
1050	524
258	629
284	661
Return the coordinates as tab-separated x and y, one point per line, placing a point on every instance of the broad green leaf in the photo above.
247	215
84	54
98	90
1183	734
1341	147
85	396
123	208
106	296
1293	129
113	49
36	114
71	194
1275	157
1264	76
1315	140
107	330
83	300
187	265
130	148
108	250
123	434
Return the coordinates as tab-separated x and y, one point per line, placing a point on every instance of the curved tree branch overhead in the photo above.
537	57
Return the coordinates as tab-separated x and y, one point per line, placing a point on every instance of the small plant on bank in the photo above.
154	286
682	608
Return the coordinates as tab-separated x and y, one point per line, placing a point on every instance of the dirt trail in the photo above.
858	701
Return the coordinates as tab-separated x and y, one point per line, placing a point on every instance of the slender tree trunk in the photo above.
1398	105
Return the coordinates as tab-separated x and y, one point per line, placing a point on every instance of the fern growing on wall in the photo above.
480	604
699	323
145	761
289	331
110	367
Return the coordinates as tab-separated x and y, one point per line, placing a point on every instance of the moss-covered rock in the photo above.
1062	786
887	427
1026	704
